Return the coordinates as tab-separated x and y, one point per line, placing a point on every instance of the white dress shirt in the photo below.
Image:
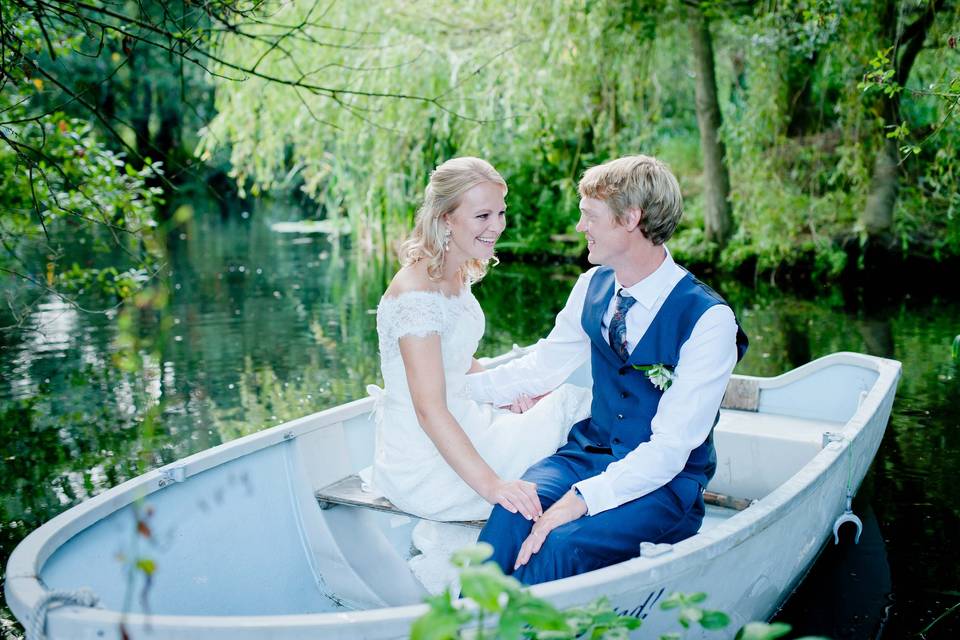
687	408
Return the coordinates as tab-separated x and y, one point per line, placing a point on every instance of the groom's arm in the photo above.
547	365
683	420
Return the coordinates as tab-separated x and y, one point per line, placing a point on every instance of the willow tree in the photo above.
540	89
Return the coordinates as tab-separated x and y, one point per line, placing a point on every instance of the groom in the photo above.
635	470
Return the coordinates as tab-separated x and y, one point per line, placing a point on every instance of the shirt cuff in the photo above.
479	387
598	494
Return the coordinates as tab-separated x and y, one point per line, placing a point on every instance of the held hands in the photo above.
566	509
524	403
514	496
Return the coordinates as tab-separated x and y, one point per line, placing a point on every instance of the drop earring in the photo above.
446	238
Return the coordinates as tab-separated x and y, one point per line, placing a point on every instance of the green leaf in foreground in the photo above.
714	620
487	586
763	631
441	622
472	555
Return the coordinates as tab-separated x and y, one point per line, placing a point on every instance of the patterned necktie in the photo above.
618	325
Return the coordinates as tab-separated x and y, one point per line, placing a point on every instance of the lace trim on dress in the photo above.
413	313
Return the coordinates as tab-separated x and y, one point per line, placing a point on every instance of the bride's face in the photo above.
477	223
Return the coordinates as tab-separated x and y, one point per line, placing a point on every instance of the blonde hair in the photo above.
444	193
637	182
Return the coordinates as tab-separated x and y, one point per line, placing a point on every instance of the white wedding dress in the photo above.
408	469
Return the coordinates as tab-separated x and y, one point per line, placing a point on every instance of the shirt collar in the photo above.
649	290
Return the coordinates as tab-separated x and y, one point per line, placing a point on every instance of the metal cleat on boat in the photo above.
845	517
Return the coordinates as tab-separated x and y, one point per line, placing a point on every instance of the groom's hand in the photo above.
566	509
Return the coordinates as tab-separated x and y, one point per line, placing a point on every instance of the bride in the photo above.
440	455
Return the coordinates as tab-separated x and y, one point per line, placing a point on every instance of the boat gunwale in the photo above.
23	587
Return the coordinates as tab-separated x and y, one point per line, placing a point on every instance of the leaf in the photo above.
763	631
696	597
472	555
435	625
146	565
486	584
441	622
673	601
714	620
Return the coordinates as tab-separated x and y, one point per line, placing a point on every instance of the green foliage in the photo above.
519	614
689	611
365	156
798	82
61	185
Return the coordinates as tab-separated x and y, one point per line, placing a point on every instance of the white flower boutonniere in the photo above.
660	375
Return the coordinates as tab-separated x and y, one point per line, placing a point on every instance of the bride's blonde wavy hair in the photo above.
443	194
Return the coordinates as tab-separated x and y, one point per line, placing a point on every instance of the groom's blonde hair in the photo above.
444	193
637	182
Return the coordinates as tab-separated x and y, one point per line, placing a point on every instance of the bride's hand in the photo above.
525	403
516	495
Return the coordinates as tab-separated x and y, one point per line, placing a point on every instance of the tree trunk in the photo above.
717	218
877	216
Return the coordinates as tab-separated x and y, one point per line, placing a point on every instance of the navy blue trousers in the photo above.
669	514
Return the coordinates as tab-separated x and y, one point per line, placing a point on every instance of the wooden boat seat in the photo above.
349	492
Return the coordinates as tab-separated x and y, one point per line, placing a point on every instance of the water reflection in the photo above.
265	327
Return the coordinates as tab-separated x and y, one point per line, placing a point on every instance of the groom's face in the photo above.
606	238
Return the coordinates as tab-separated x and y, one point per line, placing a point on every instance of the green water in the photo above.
268	326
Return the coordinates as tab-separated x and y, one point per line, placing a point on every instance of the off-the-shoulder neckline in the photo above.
425	292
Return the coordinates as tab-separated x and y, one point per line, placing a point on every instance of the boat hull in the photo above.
243	551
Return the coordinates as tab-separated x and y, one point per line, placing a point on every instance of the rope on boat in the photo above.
38	617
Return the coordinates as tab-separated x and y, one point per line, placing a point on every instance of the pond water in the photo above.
264	326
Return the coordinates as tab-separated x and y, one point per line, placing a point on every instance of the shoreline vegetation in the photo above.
815	138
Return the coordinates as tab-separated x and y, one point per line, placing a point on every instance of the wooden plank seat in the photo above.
349	492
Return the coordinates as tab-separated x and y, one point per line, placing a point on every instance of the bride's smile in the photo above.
476	225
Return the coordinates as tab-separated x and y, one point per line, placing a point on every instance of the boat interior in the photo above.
265	530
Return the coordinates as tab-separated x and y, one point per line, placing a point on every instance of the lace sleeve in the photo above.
415	313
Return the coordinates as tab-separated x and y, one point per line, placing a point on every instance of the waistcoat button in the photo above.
624	394
616	441
619	416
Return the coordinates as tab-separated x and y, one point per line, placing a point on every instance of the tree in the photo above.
892	69
718	220
94	99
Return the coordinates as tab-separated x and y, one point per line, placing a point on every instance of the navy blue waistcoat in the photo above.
624	399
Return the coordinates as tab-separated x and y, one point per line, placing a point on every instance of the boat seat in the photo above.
349	492
757	452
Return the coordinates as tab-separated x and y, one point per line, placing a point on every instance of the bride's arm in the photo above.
423	362
476	367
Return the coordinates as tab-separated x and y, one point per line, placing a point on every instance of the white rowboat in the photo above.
239	547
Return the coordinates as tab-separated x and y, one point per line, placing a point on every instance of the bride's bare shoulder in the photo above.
412	277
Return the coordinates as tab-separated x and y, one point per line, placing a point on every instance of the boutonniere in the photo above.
660	375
